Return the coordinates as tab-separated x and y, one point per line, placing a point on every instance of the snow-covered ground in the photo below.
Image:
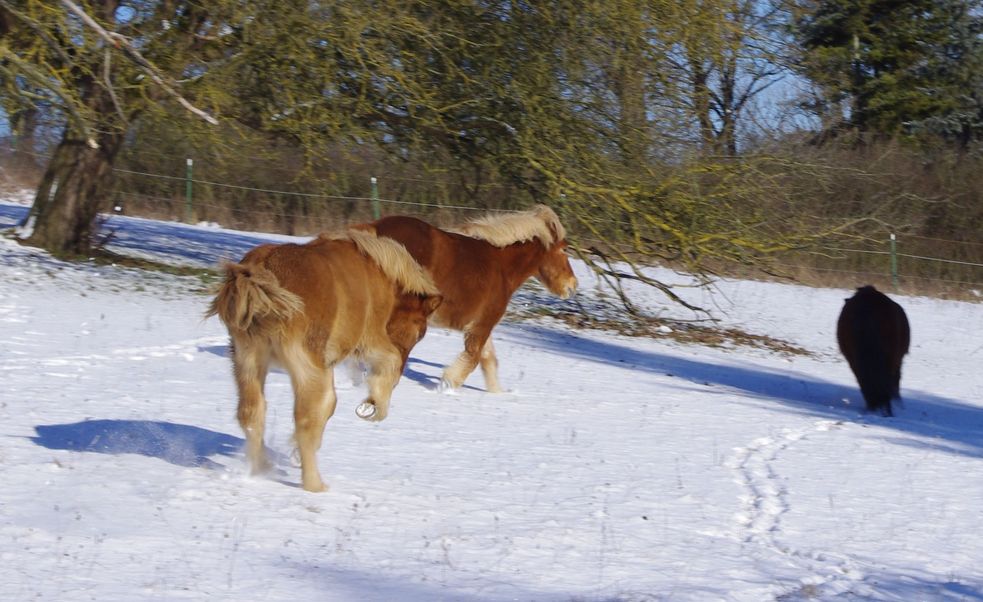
616	469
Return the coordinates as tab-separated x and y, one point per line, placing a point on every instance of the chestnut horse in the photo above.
307	307
477	267
874	335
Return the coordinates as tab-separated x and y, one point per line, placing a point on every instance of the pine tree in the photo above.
876	62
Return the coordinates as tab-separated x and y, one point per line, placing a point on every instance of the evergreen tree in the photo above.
876	62
955	74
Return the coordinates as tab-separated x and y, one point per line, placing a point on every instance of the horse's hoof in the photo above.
445	387
260	466
317	487
365	411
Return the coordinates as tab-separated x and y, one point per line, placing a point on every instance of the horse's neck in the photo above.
522	260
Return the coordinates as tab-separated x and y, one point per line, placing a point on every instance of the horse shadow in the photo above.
179	444
941	423
219	350
430	383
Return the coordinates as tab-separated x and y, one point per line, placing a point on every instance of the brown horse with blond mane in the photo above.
307	307
478	266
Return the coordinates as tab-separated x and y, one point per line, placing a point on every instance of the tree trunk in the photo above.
633	124
23	126
700	78
727	140
628	80
78	176
71	192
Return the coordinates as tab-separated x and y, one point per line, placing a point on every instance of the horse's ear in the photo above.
432	302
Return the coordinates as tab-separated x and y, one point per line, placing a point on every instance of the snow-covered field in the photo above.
616	469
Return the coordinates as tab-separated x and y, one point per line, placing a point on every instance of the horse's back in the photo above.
438	251
344	292
461	267
259	254
873	317
413	233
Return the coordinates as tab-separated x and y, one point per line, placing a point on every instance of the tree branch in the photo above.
44	82
119	41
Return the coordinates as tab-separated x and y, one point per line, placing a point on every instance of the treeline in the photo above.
707	134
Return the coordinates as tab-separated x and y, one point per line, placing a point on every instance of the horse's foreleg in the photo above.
465	363
314	403
250	363
489	367
383	376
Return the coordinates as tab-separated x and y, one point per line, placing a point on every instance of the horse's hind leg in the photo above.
489	367
250	362
314	404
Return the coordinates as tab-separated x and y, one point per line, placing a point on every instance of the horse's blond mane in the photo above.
540	222
392	257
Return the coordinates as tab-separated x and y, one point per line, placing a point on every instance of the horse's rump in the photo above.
252	300
874	335
277	283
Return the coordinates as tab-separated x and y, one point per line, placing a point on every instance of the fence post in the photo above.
894	261
188	206
376	214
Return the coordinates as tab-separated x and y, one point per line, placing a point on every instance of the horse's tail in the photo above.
874	374
252	301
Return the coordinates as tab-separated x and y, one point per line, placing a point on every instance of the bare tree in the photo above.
80	67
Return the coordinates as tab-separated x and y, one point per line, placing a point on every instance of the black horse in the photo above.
874	335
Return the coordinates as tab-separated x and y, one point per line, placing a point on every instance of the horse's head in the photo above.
555	272
408	321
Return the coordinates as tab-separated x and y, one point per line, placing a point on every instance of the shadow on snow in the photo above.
195	245
179	444
11	215
946	424
168	241
428	382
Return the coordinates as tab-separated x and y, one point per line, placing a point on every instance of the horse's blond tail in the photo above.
251	300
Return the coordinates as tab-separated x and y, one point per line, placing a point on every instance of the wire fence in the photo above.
910	262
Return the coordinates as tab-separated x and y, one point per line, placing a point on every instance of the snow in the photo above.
615	468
